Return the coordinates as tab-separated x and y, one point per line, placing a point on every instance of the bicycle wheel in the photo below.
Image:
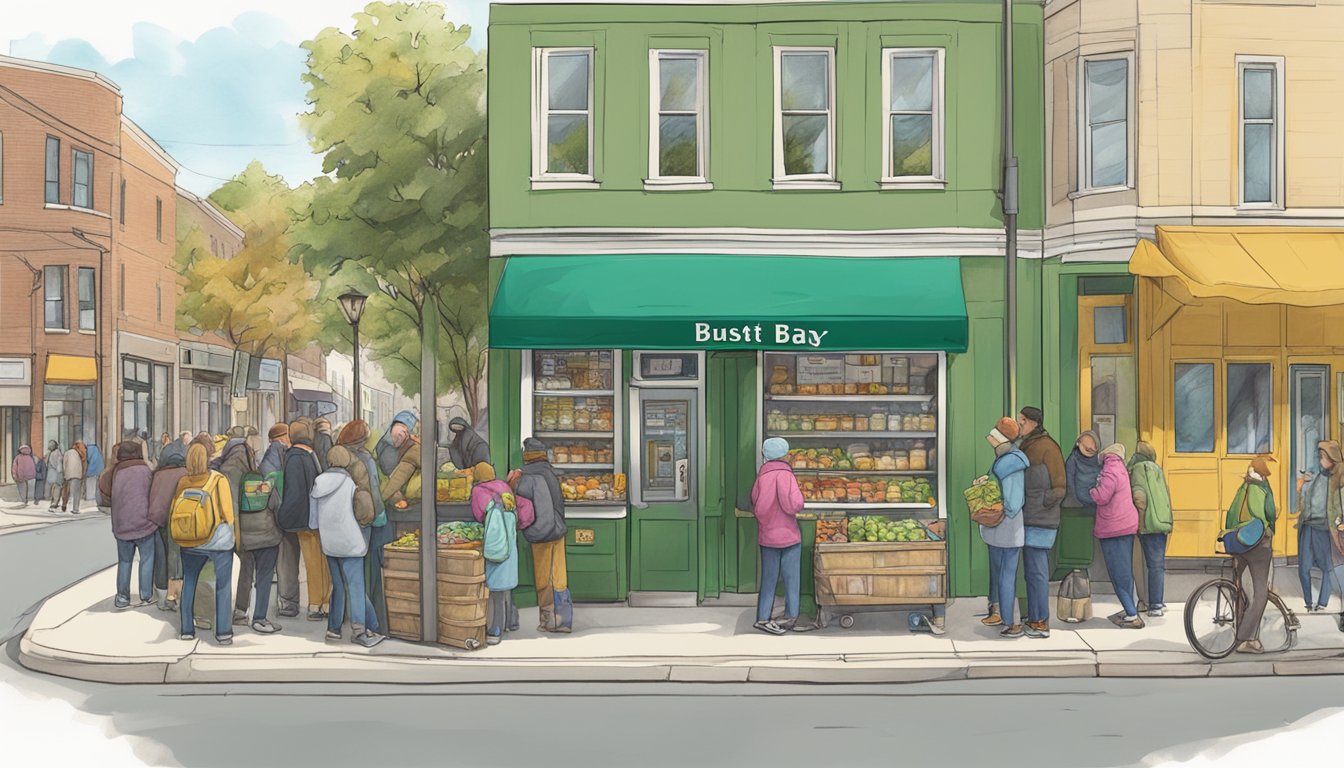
1278	627
1211	619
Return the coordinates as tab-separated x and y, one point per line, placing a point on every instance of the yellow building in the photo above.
1195	214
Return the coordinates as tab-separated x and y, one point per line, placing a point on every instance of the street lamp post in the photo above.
352	304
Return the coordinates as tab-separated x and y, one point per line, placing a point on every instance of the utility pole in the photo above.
429	458
1009	217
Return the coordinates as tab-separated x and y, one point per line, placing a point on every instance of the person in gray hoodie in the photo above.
345	543
132	525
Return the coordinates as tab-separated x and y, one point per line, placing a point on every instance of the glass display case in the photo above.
571	402
864	430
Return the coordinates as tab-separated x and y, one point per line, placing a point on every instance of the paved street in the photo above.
1053	723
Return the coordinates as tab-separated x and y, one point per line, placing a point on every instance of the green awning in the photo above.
729	302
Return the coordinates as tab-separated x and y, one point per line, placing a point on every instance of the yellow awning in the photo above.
1300	266
70	369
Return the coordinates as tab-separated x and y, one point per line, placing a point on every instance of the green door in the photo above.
664	487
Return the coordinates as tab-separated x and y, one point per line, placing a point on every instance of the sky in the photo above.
216	83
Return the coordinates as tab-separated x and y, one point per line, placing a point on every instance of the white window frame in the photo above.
700	181
938	180
808	180
1084	185
1276	202
541	179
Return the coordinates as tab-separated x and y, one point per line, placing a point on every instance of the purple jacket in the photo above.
24	467
776	500
130	501
1116	513
481	494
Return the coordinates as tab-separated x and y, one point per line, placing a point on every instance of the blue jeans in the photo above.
1118	551
125	552
1313	551
1003	566
1036	562
193	560
263	569
1154	546
347	580
777	562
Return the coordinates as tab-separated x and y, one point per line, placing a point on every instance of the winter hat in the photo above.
1260	465
1145	452
1005	431
774	448
1034	413
320	424
278	431
483	472
1114	449
236	432
354	433
338	456
127	450
533	444
300	432
1331	448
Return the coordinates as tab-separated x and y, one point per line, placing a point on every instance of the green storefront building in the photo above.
714	224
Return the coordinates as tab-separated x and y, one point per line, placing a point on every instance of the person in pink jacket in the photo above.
776	501
1116	525
501	577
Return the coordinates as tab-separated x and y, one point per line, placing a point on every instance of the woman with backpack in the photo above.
1248	532
202	522
494	504
340	514
258	537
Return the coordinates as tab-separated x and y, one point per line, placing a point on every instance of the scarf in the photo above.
531	456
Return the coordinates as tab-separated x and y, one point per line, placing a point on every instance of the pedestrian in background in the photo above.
1152	498
537	482
1115	527
1253	506
1006	539
55	474
94	471
300	472
75	464
24	471
354	437
501	577
340	514
322	441
126	486
776	501
1318	504
217	550
1046	484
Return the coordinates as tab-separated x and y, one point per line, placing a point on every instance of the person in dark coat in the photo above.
538	483
322	442
274	458
467	448
128	483
300	473
1046	486
1081	470
235	461
258	541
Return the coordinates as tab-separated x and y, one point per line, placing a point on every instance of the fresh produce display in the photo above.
606	487
574	414
864	419
859	459
844	490
833	531
408	540
984	493
458	532
877	528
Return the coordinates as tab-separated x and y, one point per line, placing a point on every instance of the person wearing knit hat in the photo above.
1006	539
540	485
1046	487
1116	525
300	471
1318	506
274	457
1253	508
776	501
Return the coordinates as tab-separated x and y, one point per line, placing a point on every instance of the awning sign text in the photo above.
780	334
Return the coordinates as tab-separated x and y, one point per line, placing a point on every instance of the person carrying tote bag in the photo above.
1248	533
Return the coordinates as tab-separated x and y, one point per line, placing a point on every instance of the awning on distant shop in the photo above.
71	369
729	302
312	395
1303	267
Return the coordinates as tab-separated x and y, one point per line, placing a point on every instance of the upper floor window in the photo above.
53	298
1261	130
158	218
87	302
82	180
804	115
677	129
912	137
563	105
53	172
1104	162
121	201
2	167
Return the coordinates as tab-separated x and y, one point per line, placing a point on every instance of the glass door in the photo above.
1310	403
664	478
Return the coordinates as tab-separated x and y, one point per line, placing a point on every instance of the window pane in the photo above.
567	137
1257	94
1106	90
53	170
804	81
85	284
1258	163
678	81
1194	407
912	84
805	144
53	282
568	80
911	145
1249	401
677	154
1110	146
82	198
1109	326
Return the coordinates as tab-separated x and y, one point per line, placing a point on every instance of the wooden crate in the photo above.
462	595
881	573
462	609
468	635
881	555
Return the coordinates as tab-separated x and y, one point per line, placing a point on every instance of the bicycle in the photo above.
1215	608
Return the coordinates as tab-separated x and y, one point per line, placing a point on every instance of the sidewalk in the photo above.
78	634
16	517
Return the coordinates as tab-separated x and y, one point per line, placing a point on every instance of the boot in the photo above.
994	619
564	611
546	608
173	595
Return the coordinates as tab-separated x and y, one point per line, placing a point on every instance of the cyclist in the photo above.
1252	508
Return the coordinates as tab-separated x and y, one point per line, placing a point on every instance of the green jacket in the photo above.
1259	503
1151	497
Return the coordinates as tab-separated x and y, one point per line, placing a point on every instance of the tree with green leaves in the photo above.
398	113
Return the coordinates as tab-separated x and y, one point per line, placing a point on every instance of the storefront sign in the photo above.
585	537
780	334
821	369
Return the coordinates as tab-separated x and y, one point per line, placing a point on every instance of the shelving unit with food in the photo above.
865	432
571	402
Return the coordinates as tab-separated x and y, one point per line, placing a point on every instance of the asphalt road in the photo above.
1069	723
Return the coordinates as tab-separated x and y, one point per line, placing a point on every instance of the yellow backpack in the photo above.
194	517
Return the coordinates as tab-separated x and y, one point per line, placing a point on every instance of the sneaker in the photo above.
1038	630
1116	617
224	639
1157	612
144	603
265	627
168	605
768	627
121	603
1012	631
1130	622
289	612
317	615
1320	609
993	619
370	639
187	636
1250	646
492	639
239	618
333	635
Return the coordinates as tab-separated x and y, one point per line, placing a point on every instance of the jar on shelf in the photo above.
928	423
878	422
919	457
909	423
902	459
846	423
861	423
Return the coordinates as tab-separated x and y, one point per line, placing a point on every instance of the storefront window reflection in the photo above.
1194	407
1249	404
